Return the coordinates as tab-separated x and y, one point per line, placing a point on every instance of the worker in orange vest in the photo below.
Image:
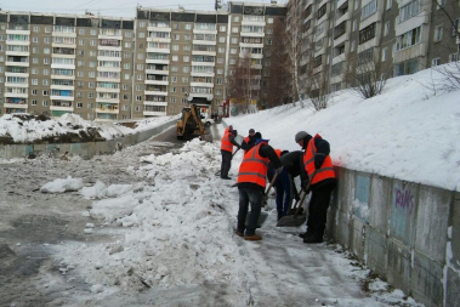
318	169
226	148
249	141
252	179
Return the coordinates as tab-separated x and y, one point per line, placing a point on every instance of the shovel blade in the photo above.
291	221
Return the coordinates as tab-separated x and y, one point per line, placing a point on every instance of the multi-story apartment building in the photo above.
339	37
106	68
180	59
251	35
57	64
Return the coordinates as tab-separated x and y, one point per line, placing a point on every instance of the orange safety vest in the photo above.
225	143
254	167
327	169
278	152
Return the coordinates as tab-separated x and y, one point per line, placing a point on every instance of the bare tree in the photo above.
241	84
371	74
277	84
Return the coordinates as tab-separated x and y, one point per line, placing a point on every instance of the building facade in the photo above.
105	68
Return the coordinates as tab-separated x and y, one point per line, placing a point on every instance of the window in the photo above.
435	62
221	39
36	29
34	81
184	79
441	4
126	66
140	66
384	54
223	28
369	9
140	77
125	87
386	30
175	58
234	40
138	87
236	19
186	58
410	10
356	4
270	20
141	24
35	40
34	92
173	79
93	32
81	42
47	50
173	100
46	82
235	29
188	26
185	69
79	105
45	103
389	4
367	33
81	31
438	30
127	44
175	47
138	98
173	89
408	39
34	102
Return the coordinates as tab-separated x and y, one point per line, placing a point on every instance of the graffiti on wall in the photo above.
403	212
404	199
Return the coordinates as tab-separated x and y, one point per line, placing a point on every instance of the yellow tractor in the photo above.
190	125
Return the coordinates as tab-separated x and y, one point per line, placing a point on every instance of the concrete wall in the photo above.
85	150
406	232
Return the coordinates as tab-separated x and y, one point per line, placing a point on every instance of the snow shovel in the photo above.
263	215
296	220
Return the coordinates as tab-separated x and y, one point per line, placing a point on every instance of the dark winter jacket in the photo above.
292	162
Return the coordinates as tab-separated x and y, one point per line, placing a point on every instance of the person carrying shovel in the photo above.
226	149
319	170
252	179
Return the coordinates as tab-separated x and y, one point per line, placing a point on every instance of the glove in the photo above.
304	185
279	170
235	133
319	160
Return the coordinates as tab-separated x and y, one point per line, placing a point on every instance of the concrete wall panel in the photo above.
455	233
362	196
453	289
399	265
403	211
376	251
358	233
346	187
380	202
343	233
432	222
426	281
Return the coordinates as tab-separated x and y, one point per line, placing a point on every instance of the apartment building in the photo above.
341	37
106	68
251	36
180	59
56	64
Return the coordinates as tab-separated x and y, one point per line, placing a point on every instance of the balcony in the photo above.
107	100
15	103
62	95
59	106
153	113
155	103
18	29
156	91
157	81
110	34
17	93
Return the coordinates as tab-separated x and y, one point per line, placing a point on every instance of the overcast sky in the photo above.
123	8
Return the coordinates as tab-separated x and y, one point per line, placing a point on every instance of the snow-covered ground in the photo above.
173	228
24	128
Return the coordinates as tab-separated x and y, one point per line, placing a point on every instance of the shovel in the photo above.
296	220
263	215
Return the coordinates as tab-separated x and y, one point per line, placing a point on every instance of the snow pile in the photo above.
62	185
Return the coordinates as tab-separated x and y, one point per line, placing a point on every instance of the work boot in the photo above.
226	178
280	215
303	235
239	233
254	237
312	239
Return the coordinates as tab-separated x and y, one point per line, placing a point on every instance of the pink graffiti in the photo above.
404	199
